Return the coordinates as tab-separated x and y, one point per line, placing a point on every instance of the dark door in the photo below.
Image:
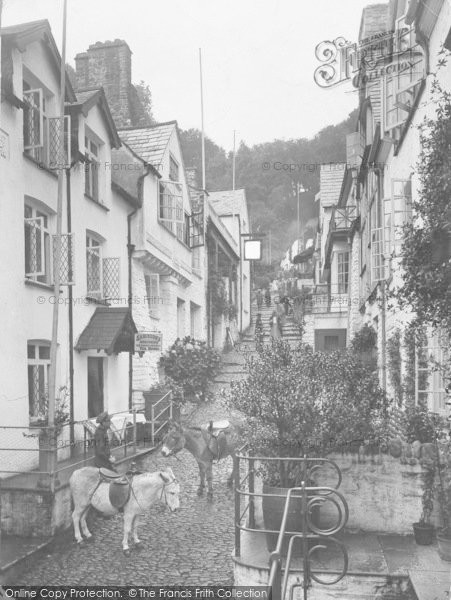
328	340
95	387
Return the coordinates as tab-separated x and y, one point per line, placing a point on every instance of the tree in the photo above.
145	97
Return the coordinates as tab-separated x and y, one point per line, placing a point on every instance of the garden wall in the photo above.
383	494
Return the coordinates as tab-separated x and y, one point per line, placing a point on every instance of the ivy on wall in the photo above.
426	256
394	366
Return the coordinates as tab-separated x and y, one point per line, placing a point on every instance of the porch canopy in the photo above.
303	256
109	329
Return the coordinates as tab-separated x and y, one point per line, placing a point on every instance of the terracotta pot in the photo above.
423	533
444	544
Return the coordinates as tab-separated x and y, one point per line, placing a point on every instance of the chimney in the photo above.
109	65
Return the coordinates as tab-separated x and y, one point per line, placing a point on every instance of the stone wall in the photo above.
383	492
35	513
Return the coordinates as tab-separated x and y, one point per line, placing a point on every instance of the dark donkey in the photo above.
212	441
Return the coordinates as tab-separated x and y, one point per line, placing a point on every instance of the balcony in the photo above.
343	218
323	299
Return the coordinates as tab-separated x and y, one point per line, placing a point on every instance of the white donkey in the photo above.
146	489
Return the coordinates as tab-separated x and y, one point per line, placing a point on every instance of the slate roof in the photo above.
104	329
331	179
375	19
86	99
23	34
228	202
29	27
149	142
85	95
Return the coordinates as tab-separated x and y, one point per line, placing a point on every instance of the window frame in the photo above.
41	224
35	363
92	170
343	272
434	393
94	247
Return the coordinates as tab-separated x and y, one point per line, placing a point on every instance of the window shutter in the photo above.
67	262
94	274
59	143
110	268
401	210
33	119
34	247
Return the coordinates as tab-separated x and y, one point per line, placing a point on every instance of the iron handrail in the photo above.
275	556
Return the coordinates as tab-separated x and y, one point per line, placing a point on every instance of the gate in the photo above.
313	537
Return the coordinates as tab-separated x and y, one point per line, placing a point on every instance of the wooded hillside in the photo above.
269	172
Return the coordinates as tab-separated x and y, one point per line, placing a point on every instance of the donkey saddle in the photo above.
214	434
120	487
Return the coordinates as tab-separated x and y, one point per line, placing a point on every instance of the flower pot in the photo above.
273	508
444	544
423	533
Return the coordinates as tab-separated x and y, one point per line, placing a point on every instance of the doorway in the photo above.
95	387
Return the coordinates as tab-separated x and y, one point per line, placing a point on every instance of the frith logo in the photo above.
373	57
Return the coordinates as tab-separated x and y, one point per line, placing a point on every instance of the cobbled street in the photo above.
190	547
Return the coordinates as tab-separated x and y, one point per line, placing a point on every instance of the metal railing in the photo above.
39	456
164	405
310	496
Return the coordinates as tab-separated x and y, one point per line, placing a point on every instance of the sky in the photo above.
258	58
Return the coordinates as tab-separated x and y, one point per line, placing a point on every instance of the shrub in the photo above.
300	402
190	364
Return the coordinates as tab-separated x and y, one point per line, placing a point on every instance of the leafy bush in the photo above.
190	364
300	402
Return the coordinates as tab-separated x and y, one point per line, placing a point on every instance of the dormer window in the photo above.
43	140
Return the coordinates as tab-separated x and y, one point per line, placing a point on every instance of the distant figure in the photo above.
259	299
268	297
274	324
286	304
258	332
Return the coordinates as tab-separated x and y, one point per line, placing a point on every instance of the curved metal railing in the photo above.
311	496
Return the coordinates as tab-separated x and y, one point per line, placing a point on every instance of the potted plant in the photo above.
296	401
192	365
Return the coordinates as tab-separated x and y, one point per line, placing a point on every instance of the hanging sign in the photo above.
252	249
148	341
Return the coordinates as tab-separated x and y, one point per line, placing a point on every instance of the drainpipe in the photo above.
241	275
130	250
71	323
382	306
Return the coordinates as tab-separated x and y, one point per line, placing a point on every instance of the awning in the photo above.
303	256
109	329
